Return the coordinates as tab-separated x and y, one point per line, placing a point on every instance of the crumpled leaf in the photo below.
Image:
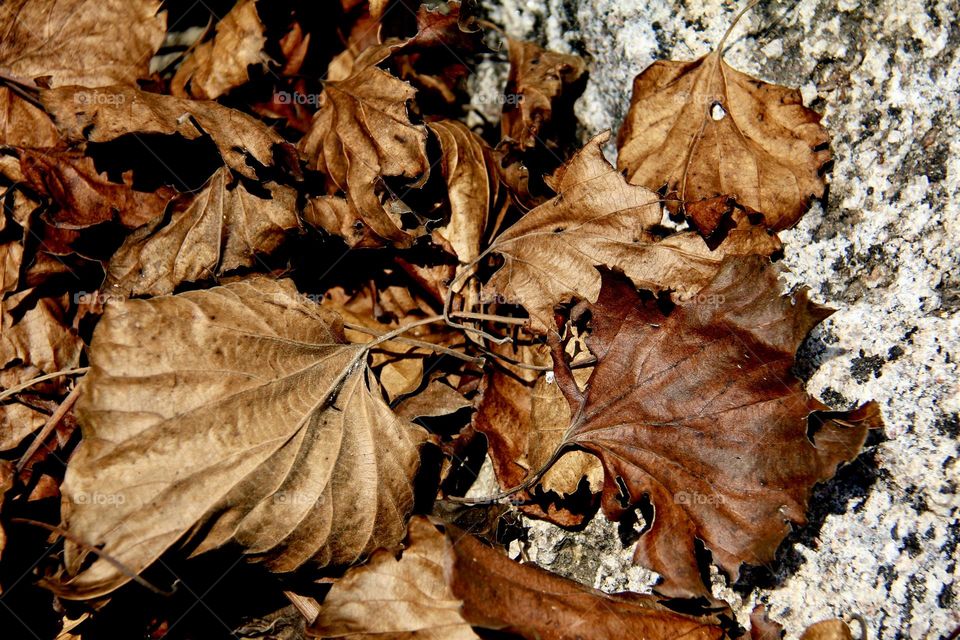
698	411
470	173
361	134
551	254
24	125
704	129
538	80
84	196
221	227
221	64
84	42
444	583
100	115
233	414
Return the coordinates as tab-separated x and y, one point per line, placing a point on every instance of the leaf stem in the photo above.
50	425
6	393
736	19
417	343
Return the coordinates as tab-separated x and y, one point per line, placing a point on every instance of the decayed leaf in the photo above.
699	412
445	583
538	79
86	197
470	174
217	66
24	125
238	414
703	129
100	115
361	134
84	42
524	417
221	227
551	254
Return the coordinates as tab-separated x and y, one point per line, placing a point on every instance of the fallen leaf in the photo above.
362	134
538	80
699	412
6	482
551	255
221	64
470	173
234	414
221	227
827	630
337	216
444	584
762	627
703	129
100	115
24	125
11	256
86	197
436	399
83	42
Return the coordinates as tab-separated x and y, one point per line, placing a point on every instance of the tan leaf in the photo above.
361	134
24	125
221	227
538	80
827	630
11	255
86	197
40	337
337	216
84	42
100	115
703	129
219	65
551	255
436	399
233	414
443	584
470	173
698	411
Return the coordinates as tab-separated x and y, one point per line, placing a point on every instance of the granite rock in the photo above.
883	248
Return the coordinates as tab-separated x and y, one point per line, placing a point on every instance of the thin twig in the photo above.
51	424
418	343
6	393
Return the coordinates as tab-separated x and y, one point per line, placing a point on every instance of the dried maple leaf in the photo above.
234	414
221	227
361	134
470	173
703	129
80	42
551	254
698	411
221	64
538	80
445	583
84	196
100	115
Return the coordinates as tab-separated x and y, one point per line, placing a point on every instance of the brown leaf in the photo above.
551	254
6	482
100	115
11	256
234	414
470	173
704	129
337	216
443	584
219	65
221	227
538	80
84	42
361	134
24	125
436	399
827	630
699	412
86	197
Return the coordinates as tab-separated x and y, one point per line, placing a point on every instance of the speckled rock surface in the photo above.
884	249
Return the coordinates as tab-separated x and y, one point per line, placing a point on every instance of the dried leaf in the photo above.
6	482
436	399
219	65
222	227
443	584
538	80
470	173
827	630
24	125
234	414
703	129
699	412
551	254
100	115
92	43
86	197
361	134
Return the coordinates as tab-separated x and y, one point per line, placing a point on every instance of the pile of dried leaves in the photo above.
266	295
